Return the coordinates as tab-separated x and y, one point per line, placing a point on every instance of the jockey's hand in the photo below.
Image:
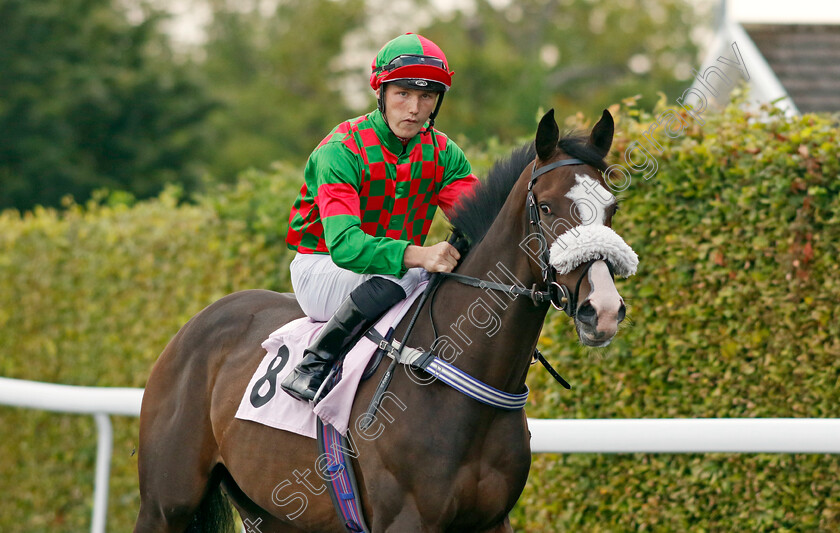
441	257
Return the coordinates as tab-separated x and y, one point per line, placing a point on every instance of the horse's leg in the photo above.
409	521
188	410
504	527
254	518
276	471
177	451
398	510
171	488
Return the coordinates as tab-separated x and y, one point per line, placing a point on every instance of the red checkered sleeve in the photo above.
455	192
338	178
458	181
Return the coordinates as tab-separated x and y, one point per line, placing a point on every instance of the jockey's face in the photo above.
407	110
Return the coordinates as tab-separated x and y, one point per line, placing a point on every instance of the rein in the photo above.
568	302
538	297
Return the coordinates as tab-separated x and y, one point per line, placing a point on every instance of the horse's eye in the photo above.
545	209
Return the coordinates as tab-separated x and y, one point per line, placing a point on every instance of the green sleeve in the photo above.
455	162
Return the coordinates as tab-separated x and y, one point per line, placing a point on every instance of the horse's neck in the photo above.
499	331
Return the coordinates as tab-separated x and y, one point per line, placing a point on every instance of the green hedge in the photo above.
90	296
730	315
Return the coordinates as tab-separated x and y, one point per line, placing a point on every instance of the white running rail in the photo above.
686	435
97	401
673	435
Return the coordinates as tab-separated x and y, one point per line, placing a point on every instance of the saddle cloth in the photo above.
265	402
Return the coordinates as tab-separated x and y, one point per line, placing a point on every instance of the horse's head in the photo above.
571	206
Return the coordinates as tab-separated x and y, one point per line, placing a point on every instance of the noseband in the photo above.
559	295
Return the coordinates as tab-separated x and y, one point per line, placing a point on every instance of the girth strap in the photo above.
343	489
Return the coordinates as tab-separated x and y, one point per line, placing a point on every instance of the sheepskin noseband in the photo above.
582	244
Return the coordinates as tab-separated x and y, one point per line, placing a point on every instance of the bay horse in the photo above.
440	461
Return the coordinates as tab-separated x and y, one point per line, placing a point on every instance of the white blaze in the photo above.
591	200
592	239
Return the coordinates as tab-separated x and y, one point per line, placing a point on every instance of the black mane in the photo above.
475	215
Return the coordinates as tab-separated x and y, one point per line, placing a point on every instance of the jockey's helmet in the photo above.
413	62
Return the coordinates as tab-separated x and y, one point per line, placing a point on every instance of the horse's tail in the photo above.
214	515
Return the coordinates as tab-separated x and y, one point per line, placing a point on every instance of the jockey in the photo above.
370	192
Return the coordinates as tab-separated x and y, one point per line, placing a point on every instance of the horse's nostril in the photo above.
622	311
586	313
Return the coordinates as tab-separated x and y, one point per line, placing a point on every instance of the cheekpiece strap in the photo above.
561	297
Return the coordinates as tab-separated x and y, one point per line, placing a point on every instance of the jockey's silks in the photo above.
366	197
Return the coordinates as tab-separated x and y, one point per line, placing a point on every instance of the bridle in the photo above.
559	295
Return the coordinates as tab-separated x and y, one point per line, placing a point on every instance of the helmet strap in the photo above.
434	113
380	102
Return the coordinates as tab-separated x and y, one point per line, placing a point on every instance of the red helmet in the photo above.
412	61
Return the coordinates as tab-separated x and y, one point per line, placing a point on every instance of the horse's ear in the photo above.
547	136
602	134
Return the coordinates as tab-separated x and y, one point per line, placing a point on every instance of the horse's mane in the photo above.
475	214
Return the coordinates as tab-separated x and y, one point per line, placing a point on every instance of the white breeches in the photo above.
321	286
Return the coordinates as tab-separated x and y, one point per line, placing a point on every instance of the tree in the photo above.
513	58
89	100
284	68
278	78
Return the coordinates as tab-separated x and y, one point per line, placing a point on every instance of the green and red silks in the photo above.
365	197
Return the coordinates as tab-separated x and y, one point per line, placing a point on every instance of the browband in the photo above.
537	172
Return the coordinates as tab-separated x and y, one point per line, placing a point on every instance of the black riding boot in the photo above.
365	305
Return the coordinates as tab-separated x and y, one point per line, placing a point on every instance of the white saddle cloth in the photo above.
265	402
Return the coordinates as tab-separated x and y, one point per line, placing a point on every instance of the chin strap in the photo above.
434	114
380	102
